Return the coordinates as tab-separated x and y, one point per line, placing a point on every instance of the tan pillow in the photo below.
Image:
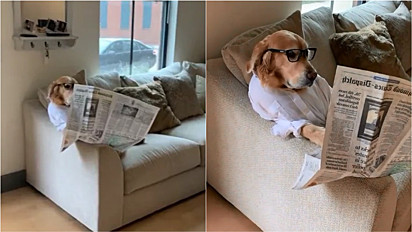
399	27
127	82
237	52
201	91
317	27
153	94
80	77
371	48
181	96
42	96
107	81
361	16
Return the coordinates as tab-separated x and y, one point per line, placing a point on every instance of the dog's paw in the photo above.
314	133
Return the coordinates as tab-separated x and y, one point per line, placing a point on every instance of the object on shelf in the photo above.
29	25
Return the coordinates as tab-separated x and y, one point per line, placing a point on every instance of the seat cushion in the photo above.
192	129
159	158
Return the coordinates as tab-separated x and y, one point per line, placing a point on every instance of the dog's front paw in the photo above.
314	133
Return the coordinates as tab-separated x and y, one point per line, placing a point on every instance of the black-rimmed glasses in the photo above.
295	54
67	86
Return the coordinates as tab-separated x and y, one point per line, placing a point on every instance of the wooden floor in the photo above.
25	209
223	216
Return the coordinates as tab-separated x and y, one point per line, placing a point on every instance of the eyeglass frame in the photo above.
300	53
70	84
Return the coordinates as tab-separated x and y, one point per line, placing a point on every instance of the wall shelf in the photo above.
44	42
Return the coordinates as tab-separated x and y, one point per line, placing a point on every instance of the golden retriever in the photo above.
278	66
60	91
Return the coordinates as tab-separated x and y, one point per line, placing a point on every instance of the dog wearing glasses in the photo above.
60	94
286	89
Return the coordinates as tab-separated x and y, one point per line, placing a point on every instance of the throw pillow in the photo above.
181	96
371	48
107	81
237	52
362	16
153	94
194	68
143	78
402	11
127	82
42	96
399	27
317	27
80	77
201	91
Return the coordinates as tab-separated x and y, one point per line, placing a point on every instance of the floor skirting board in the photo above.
13	181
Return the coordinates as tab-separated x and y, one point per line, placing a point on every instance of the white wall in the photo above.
190	32
22	72
225	20
187	32
43	10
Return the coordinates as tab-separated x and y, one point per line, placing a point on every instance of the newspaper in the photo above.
368	129
99	116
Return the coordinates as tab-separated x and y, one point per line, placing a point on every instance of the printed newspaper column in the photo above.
368	129
99	116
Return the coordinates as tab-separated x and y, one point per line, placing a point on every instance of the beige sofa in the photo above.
255	170
104	190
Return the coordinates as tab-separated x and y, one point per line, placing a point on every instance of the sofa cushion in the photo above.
159	158
194	69
42	96
170	70
192	129
237	52
317	26
362	16
107	81
181	95
153	94
399	27
371	48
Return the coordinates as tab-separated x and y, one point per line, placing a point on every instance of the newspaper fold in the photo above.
99	116
368	129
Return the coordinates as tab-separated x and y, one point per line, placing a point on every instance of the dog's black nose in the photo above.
311	75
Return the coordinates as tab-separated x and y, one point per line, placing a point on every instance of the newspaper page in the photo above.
368	129
99	116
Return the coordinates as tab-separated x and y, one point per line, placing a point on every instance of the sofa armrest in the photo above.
255	171
84	180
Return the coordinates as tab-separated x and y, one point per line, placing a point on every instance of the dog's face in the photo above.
274	69
60	91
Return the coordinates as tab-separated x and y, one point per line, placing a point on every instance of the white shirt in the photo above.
291	110
58	115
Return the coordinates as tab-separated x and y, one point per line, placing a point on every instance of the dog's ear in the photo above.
54	95
51	89
256	58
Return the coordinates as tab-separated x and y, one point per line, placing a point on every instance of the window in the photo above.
125	15
147	14
103	14
337	6
131	36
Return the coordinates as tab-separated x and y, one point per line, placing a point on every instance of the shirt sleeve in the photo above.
283	128
58	116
